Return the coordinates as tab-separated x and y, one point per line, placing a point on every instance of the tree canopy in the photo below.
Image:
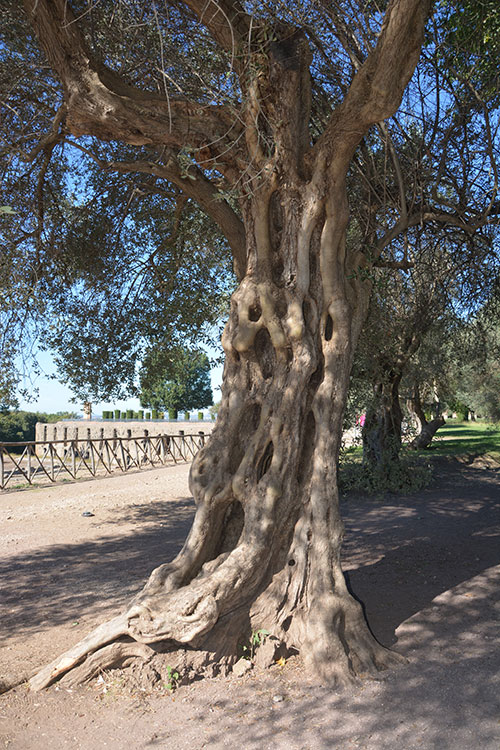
19	426
101	263
107	241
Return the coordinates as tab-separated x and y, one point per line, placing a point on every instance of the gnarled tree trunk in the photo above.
426	430
264	548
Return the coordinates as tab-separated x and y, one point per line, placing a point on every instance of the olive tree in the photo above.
255	112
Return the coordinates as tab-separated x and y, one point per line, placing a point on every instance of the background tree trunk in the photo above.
382	429
427	429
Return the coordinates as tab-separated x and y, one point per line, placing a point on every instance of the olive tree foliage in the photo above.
148	301
99	264
473	45
477	383
470	381
268	117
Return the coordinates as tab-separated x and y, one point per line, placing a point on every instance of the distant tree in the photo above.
56	416
178	381
17	426
404	348
214	410
473	375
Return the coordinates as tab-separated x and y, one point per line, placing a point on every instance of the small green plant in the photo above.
256	639
410	473
173	678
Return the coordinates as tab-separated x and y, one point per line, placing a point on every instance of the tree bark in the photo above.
416	409
382	430
264	549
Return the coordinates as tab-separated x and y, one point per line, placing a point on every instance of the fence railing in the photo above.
36	462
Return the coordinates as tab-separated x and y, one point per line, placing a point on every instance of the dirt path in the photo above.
427	568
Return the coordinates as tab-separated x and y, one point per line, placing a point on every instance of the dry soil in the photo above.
426	567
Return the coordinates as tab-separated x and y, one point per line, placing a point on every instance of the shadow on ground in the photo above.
425	544
426	567
61	583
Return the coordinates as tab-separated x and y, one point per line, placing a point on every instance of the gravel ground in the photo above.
426	566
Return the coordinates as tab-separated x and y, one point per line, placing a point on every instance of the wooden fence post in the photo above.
28	456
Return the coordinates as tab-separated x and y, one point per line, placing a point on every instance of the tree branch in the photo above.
428	214
101	103
49	139
377	87
226	21
195	185
395	265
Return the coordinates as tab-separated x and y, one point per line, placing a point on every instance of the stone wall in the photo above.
85	429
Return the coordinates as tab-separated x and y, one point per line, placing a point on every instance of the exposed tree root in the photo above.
118	654
99	637
332	636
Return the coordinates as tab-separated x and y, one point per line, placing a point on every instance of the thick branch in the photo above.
103	104
377	88
395	265
195	185
49	139
428	214
226	20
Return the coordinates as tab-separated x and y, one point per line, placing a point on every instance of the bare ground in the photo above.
426	566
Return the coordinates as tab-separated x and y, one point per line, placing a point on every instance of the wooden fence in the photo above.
42	462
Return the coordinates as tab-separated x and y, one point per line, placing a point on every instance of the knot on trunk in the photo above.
168	618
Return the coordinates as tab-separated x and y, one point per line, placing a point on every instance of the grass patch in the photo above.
466	439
